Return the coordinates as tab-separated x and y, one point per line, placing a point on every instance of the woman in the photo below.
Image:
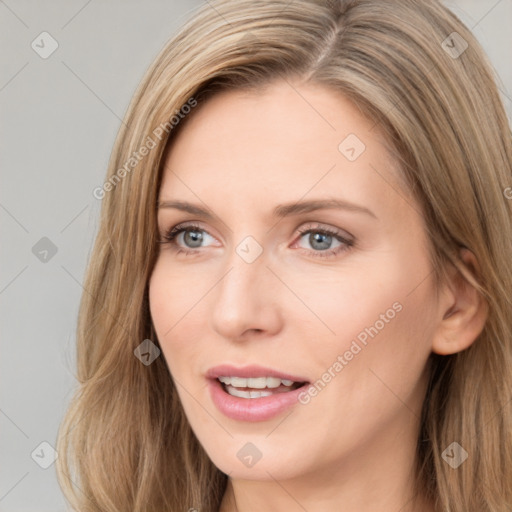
299	294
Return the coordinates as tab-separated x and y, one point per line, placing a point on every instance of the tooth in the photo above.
247	394
239	382
238	392
273	382
258	394
257	383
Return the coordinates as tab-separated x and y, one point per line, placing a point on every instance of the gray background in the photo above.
60	116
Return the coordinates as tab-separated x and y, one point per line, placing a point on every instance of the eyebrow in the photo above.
280	211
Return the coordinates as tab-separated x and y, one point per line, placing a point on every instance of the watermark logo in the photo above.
248	42
351	147
249	454
454	45
44	250
454	455
44	455
249	249
147	352
44	45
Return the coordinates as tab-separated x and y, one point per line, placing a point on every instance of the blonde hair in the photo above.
125	443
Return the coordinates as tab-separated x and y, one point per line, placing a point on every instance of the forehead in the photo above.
282	142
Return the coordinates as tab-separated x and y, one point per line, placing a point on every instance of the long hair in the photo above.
418	72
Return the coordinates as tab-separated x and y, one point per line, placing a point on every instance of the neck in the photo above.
280	497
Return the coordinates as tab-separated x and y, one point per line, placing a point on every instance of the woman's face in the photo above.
274	290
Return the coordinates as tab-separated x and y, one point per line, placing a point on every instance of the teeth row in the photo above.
247	394
255	382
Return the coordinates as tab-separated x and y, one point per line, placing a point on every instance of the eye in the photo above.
320	239
192	234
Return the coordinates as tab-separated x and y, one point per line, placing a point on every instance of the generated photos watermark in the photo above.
148	144
355	348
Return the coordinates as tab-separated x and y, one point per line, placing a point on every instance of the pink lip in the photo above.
250	371
250	409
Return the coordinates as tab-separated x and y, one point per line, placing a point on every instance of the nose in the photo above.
246	299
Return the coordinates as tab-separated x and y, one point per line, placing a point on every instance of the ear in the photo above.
462	311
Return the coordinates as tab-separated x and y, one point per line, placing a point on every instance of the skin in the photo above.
352	447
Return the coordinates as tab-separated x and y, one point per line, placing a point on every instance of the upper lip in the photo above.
254	371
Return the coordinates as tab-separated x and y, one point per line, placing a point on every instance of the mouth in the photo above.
253	393
257	387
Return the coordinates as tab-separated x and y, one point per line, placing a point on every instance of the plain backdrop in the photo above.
60	115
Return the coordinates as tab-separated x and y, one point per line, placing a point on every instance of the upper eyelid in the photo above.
188	225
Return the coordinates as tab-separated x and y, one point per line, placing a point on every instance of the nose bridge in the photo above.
244	298
245	269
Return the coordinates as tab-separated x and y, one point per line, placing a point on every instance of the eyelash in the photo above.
170	235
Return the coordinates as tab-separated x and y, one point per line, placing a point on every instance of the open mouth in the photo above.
257	387
253	393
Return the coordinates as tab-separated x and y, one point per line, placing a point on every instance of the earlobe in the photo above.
462	311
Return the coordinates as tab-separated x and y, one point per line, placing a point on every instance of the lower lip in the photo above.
251	409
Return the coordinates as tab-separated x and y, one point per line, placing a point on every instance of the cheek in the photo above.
172	293
381	318
158	300
175	301
376	360
346	301
163	307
